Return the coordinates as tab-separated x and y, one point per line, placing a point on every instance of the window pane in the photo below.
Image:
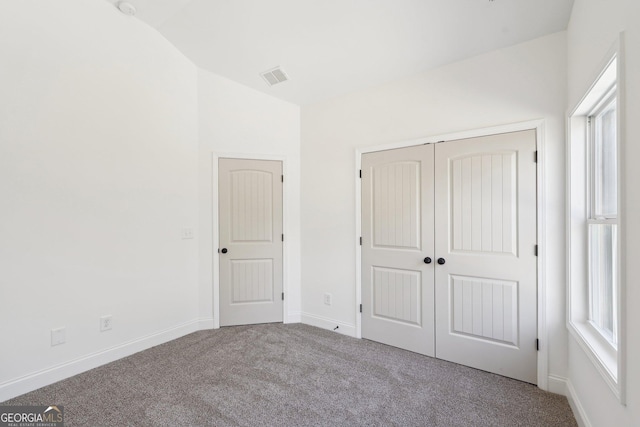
602	278
605	162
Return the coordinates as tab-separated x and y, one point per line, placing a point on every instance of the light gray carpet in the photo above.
293	375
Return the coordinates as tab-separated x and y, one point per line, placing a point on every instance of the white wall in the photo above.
520	83
237	120
593	29
98	174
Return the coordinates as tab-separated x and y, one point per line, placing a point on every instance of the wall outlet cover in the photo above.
106	323
58	336
327	299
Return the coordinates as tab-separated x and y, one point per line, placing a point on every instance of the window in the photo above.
602	221
593	226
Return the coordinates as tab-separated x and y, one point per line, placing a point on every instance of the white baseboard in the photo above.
326	323
563	386
576	406
294	317
205	323
35	380
557	385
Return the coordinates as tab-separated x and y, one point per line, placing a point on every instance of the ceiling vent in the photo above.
274	76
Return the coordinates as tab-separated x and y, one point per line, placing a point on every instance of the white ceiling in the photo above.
332	47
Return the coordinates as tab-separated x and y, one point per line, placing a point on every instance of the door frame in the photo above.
539	127
215	228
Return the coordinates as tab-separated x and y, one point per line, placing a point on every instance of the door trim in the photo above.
215	271
539	127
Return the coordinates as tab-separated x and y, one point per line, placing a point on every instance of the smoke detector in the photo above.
127	8
274	76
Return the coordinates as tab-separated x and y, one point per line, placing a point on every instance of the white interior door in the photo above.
250	220
470	206
397	236
486	297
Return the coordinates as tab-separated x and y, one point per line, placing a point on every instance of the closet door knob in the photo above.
224	250
441	261
427	260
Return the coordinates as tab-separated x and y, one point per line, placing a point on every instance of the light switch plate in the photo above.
58	336
187	233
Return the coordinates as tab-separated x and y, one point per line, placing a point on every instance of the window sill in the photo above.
599	351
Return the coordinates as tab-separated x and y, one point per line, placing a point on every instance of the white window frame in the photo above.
606	357
593	218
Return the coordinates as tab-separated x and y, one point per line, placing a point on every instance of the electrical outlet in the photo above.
58	336
187	233
327	299
105	323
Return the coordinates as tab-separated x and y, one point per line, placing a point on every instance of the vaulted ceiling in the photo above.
332	47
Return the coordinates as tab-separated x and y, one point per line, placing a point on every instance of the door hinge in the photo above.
360	308
360	173
535	156
283	237
283	296
281	178
537	344
535	250
360	240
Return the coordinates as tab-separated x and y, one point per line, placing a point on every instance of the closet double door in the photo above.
449	251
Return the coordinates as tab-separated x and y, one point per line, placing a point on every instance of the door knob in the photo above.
441	261
427	260
224	250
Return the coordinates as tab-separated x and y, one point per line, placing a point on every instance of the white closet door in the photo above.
397	236
250	205
485	225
